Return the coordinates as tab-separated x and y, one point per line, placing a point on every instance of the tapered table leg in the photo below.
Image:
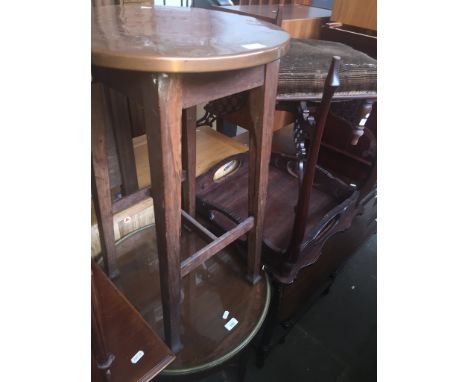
162	96
189	158
262	104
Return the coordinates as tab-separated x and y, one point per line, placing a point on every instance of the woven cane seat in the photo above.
303	70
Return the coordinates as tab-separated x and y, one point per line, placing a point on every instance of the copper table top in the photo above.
174	39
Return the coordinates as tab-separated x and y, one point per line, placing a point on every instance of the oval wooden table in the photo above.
169	60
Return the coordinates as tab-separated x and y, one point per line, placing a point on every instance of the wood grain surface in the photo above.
126	334
298	20
212	147
358	13
217	286
179	39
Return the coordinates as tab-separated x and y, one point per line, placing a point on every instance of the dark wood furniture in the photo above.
124	347
216	287
305	203
301	75
362	40
290	302
300	221
360	13
168	61
354	23
211	148
270	2
349	144
299	21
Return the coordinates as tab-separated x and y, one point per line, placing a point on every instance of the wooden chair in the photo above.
305	203
354	23
349	148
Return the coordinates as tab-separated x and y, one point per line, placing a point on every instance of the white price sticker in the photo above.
231	323
137	356
253	46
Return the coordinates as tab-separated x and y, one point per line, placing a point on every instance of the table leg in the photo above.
189	158
100	181
121	127
262	106
162	97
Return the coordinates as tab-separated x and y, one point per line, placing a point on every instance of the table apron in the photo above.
197	88
204	87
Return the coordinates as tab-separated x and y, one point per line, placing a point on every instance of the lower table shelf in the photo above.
209	334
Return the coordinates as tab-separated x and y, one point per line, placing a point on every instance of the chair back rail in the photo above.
331	84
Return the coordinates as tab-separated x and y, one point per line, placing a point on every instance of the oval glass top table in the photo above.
169	60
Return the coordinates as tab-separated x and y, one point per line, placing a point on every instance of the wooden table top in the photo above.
290	11
176	39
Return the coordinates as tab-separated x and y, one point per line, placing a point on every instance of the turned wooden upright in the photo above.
169	60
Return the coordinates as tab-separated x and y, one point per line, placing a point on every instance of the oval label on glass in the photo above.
226	169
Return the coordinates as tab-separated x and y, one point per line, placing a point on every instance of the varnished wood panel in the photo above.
212	147
274	2
298	20
358	13
243	118
127	333
207	292
304	28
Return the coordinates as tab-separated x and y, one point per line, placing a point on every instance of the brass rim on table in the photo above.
184	65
